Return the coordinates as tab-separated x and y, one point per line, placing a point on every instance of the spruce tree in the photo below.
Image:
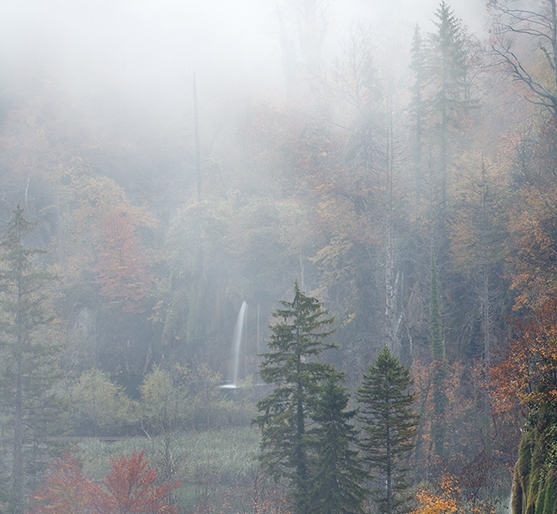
418	107
291	365
448	59
448	102
29	360
337	469
448	75
388	425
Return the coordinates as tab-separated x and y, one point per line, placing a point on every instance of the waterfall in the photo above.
232	378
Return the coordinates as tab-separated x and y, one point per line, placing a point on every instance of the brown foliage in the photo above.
528	374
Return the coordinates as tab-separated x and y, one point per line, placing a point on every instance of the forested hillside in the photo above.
406	187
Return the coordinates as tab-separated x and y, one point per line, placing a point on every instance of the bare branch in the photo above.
541	27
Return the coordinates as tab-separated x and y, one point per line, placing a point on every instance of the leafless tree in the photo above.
529	25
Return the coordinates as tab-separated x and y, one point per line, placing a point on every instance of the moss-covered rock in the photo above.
535	474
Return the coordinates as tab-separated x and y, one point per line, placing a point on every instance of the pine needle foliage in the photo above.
388	426
337	470
29	360
292	366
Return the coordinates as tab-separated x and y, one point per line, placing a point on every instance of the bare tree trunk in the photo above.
197	141
390	333
18	470
485	300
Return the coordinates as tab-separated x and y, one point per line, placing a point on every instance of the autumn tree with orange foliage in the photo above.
121	268
533	232
132	486
528	375
65	490
525	387
448	497
441	501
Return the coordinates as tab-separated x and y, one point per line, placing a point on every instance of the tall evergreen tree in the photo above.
29	360
448	60
448	73
448	101
337	470
297	340
389	425
418	108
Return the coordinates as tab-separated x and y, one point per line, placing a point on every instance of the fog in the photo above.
352	179
147	47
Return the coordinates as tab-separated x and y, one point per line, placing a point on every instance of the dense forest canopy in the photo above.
394	167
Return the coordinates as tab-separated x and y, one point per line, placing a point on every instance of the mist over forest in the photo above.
291	256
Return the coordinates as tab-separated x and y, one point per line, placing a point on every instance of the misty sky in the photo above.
145	42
